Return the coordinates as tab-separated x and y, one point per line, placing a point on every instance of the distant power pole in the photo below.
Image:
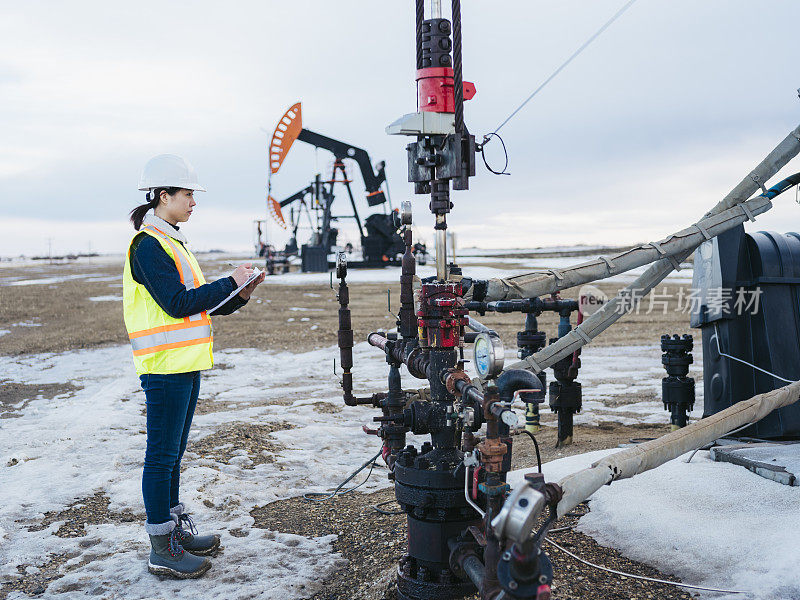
50	250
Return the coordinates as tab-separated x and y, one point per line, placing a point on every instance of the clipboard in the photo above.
256	273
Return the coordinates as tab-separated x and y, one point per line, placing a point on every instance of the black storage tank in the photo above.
746	303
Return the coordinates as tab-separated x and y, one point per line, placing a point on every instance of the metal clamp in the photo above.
758	182
583	335
608	262
747	212
557	274
674	262
534	365
703	232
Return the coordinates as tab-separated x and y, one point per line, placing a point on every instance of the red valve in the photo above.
475	483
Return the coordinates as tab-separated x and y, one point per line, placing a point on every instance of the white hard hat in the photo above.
168	170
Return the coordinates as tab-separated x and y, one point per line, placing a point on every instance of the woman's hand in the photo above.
248	289
242	273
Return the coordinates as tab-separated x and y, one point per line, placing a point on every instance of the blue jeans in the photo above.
170	403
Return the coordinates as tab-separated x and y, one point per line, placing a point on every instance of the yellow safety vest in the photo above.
161	343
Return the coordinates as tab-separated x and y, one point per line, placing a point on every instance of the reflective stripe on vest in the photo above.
180	259
145	343
195	329
183	267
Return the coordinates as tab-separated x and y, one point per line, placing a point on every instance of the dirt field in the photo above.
59	316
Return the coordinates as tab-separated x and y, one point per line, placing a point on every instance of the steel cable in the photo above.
575	54
322	496
458	82
642	577
420	18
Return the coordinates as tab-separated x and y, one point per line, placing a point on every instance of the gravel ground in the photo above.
92	510
372	542
59	316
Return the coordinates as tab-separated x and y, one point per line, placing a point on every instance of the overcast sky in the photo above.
638	137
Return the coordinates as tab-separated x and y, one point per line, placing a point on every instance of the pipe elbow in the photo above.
514	380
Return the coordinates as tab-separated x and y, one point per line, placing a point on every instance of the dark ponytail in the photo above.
138	213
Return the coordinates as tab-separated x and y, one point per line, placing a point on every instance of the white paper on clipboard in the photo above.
256	273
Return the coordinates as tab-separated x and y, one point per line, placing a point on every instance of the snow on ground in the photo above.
385	275
90	440
710	524
521	267
614	372
33	279
614	377
539	250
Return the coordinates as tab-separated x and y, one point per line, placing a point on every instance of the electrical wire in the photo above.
322	496
536	445
486	139
721	353
378	508
642	577
569	60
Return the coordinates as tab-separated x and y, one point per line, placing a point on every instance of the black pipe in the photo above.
394	433
407	323
408	353
472	392
474	569
345	334
469	562
516	379
345	341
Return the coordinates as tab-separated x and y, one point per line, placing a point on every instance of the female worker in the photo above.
166	302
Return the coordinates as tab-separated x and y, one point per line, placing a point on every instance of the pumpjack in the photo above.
381	244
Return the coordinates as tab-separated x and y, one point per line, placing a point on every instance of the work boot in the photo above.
168	558
201	545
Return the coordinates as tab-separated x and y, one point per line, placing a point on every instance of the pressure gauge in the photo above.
489	355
